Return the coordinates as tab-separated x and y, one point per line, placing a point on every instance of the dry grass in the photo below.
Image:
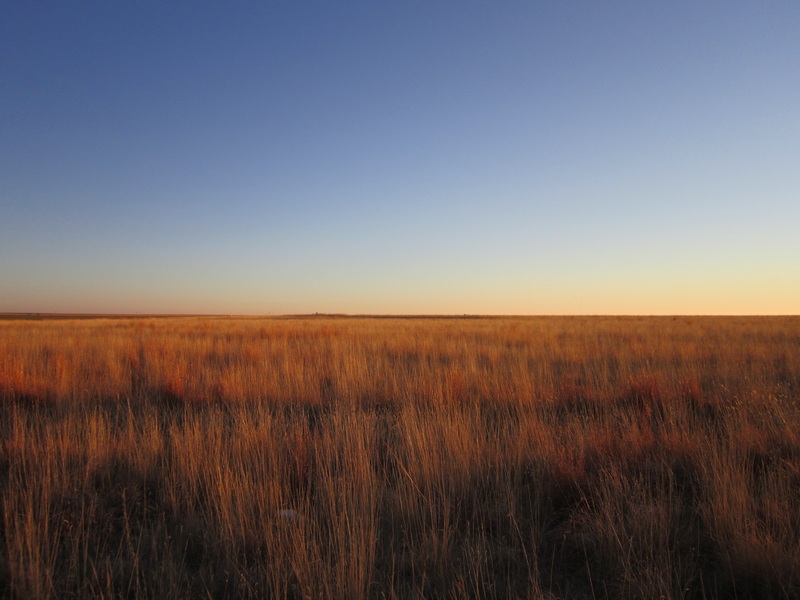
400	458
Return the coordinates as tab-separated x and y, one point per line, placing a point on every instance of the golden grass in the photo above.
400	458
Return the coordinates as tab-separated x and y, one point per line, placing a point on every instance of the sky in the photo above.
407	157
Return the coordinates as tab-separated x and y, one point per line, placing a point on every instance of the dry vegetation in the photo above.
497	458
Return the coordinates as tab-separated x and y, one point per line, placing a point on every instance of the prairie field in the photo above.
323	457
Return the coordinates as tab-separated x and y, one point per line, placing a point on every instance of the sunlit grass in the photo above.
320	457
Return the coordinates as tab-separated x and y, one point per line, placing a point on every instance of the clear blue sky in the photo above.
400	157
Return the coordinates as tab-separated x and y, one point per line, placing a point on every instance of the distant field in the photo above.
553	457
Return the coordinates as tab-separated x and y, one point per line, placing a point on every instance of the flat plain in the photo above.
322	457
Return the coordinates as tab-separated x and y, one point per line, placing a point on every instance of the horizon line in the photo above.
9	315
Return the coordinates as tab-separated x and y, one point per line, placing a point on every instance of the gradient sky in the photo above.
400	157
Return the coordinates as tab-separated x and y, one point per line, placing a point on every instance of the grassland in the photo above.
400	458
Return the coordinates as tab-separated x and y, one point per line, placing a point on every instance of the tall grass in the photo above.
400	458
